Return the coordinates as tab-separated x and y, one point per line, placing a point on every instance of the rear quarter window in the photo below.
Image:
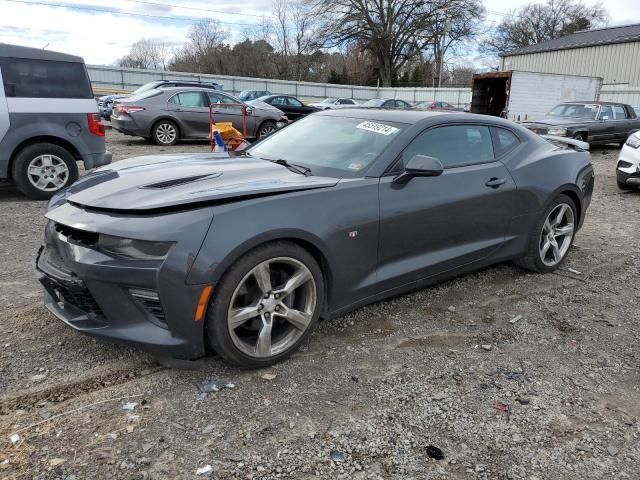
504	141
45	79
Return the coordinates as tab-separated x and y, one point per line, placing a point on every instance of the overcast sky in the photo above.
102	37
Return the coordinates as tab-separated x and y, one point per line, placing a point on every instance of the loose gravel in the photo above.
501	374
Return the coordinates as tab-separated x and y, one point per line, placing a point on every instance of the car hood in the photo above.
259	104
165	182
560	121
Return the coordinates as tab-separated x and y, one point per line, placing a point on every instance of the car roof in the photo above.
415	116
589	102
191	89
18	51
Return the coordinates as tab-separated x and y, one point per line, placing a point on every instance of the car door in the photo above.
228	109
431	225
295	108
192	112
604	129
622	121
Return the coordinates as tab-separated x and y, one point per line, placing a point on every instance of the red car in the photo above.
434	105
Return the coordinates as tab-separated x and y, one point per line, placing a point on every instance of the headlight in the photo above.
561	132
131	249
633	141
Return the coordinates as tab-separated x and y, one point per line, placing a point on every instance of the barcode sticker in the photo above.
378	128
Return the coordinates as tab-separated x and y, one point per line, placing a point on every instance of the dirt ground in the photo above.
553	395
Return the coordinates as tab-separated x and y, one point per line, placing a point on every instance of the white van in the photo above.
48	120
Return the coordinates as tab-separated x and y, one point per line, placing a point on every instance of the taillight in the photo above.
95	125
128	108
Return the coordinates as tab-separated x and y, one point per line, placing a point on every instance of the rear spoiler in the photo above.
576	144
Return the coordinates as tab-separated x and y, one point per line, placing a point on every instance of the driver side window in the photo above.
454	146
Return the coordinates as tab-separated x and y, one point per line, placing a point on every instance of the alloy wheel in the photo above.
265	130
272	307
48	173
166	133
557	233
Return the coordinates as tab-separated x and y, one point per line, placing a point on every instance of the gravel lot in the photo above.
552	395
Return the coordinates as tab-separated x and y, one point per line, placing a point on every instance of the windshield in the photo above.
374	102
354	143
575	110
329	100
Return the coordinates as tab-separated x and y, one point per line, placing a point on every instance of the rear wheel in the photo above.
552	236
42	169
165	132
266	305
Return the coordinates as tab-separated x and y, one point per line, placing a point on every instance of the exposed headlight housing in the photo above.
633	141
560	132
131	249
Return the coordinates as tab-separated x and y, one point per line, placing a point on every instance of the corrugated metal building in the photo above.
610	53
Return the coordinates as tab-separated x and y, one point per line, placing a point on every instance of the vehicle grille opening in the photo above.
80	236
150	303
80	298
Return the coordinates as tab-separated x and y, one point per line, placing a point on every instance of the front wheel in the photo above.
552	236
267	128
42	169
266	305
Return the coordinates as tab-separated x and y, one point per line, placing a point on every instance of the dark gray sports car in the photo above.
187	254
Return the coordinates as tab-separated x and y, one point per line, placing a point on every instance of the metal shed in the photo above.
610	53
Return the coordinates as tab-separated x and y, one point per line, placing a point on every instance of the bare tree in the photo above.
394	31
537	22
147	53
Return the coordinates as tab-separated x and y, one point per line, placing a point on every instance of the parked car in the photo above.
191	253
253	94
329	103
628	167
291	106
105	102
48	120
434	105
592	122
171	114
387	103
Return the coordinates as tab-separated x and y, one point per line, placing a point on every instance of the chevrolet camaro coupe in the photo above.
185	254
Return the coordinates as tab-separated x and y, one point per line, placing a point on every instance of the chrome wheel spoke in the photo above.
263	347
298	279
34	170
262	274
564	231
42	182
547	226
560	215
46	160
239	316
556	252
297	318
545	248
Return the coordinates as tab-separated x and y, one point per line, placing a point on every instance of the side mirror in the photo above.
249	110
419	166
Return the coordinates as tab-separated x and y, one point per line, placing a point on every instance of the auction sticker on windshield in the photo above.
377	128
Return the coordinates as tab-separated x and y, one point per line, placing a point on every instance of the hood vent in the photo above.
180	181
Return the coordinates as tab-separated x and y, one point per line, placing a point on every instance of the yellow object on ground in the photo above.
230	135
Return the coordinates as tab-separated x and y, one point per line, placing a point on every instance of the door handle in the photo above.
495	182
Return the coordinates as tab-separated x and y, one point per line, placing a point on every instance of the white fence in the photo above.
115	79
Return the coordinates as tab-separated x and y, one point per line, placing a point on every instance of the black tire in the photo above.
266	128
580	136
164	140
532	259
217	333
624	186
30	153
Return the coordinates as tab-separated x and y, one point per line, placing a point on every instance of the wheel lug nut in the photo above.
266	295
260	307
277	308
267	314
275	295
